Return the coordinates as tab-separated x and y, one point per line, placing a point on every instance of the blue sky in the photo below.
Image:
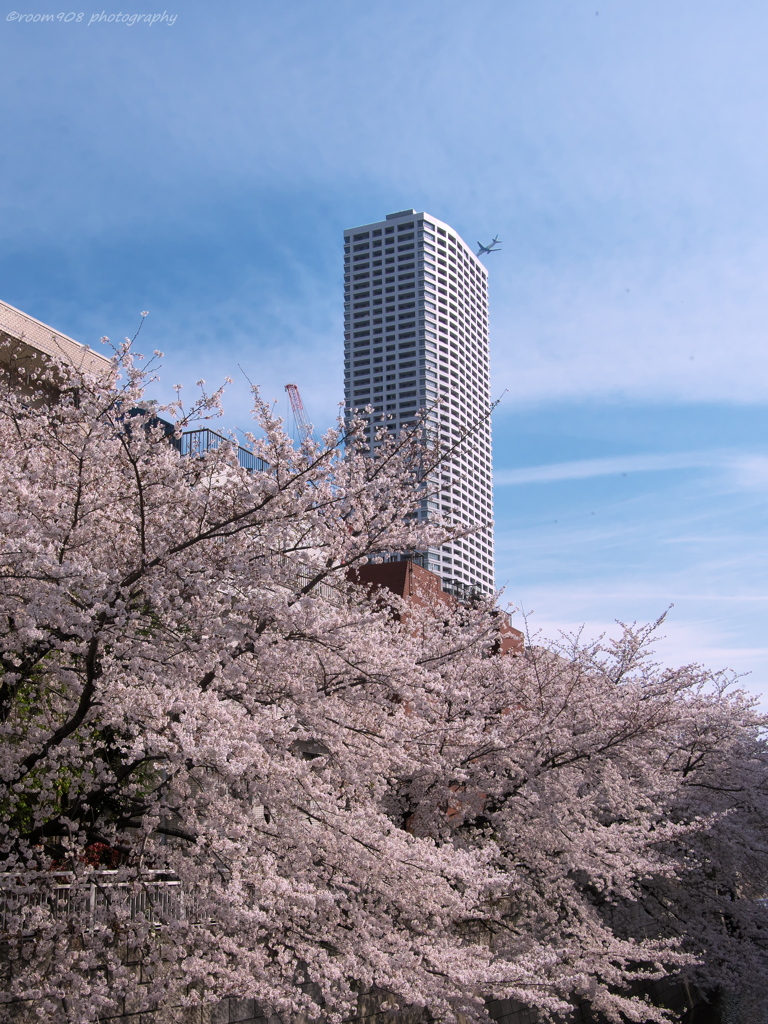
205	170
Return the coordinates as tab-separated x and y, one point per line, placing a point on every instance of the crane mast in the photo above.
303	426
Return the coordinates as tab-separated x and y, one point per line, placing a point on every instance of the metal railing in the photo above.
154	898
464	592
198	442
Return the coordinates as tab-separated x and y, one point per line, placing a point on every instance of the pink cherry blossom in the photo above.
222	760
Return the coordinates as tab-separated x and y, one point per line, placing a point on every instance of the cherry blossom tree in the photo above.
227	770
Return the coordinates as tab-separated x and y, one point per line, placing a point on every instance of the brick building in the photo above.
417	585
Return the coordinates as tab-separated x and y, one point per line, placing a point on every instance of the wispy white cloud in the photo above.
751	471
747	470
627	326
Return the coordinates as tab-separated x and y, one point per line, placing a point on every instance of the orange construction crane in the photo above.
303	426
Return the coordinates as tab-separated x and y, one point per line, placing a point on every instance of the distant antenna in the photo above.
303	426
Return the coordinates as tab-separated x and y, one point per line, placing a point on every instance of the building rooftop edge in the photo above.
43	337
420	213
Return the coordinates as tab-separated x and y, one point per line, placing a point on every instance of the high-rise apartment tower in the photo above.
415	331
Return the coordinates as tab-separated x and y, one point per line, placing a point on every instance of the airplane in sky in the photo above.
483	249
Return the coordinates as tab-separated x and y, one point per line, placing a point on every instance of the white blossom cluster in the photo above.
222	761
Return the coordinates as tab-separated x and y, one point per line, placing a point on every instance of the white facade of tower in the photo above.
415	331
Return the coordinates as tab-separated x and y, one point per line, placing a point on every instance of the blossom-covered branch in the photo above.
307	795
